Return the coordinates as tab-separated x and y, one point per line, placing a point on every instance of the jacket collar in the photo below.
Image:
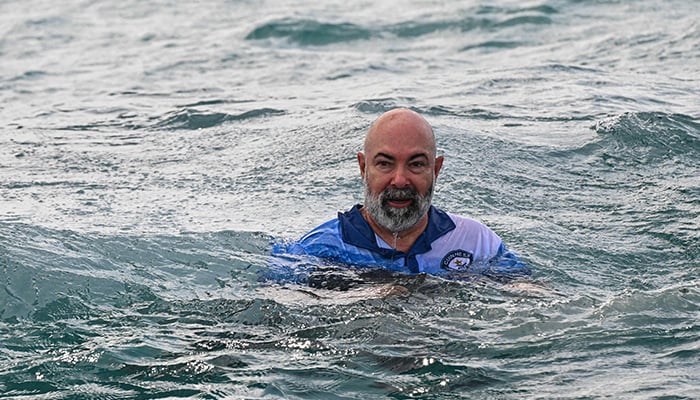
357	232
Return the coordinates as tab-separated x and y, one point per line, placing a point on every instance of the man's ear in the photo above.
438	164
361	163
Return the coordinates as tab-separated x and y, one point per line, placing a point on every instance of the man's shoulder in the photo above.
462	222
470	230
323	240
329	229
333	230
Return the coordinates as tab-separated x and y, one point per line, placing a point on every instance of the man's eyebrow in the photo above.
390	157
418	155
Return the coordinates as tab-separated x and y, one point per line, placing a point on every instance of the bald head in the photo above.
400	125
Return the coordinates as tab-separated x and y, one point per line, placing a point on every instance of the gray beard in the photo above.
397	219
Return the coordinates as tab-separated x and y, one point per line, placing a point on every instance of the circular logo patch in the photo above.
457	260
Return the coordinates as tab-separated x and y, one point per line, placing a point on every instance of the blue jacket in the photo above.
450	245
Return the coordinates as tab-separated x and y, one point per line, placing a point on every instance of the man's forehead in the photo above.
413	141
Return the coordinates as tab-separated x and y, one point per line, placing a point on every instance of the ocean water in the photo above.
151	152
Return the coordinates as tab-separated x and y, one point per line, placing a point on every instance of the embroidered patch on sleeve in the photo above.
457	260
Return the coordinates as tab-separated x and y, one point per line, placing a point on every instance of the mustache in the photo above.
398	194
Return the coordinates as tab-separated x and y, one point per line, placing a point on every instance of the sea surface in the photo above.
151	152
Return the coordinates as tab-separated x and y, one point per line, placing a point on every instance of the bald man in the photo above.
398	228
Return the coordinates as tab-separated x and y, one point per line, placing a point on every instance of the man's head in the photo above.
399	167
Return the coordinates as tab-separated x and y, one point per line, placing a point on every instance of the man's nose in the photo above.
400	179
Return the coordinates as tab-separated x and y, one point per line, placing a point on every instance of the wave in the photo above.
641	138
312	32
650	136
186	116
381	105
494	44
48	274
488	18
307	32
193	119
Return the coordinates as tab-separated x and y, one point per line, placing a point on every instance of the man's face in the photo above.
399	170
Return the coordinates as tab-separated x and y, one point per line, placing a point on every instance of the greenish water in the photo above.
151	153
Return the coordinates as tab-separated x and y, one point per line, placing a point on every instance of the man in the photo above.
398	228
